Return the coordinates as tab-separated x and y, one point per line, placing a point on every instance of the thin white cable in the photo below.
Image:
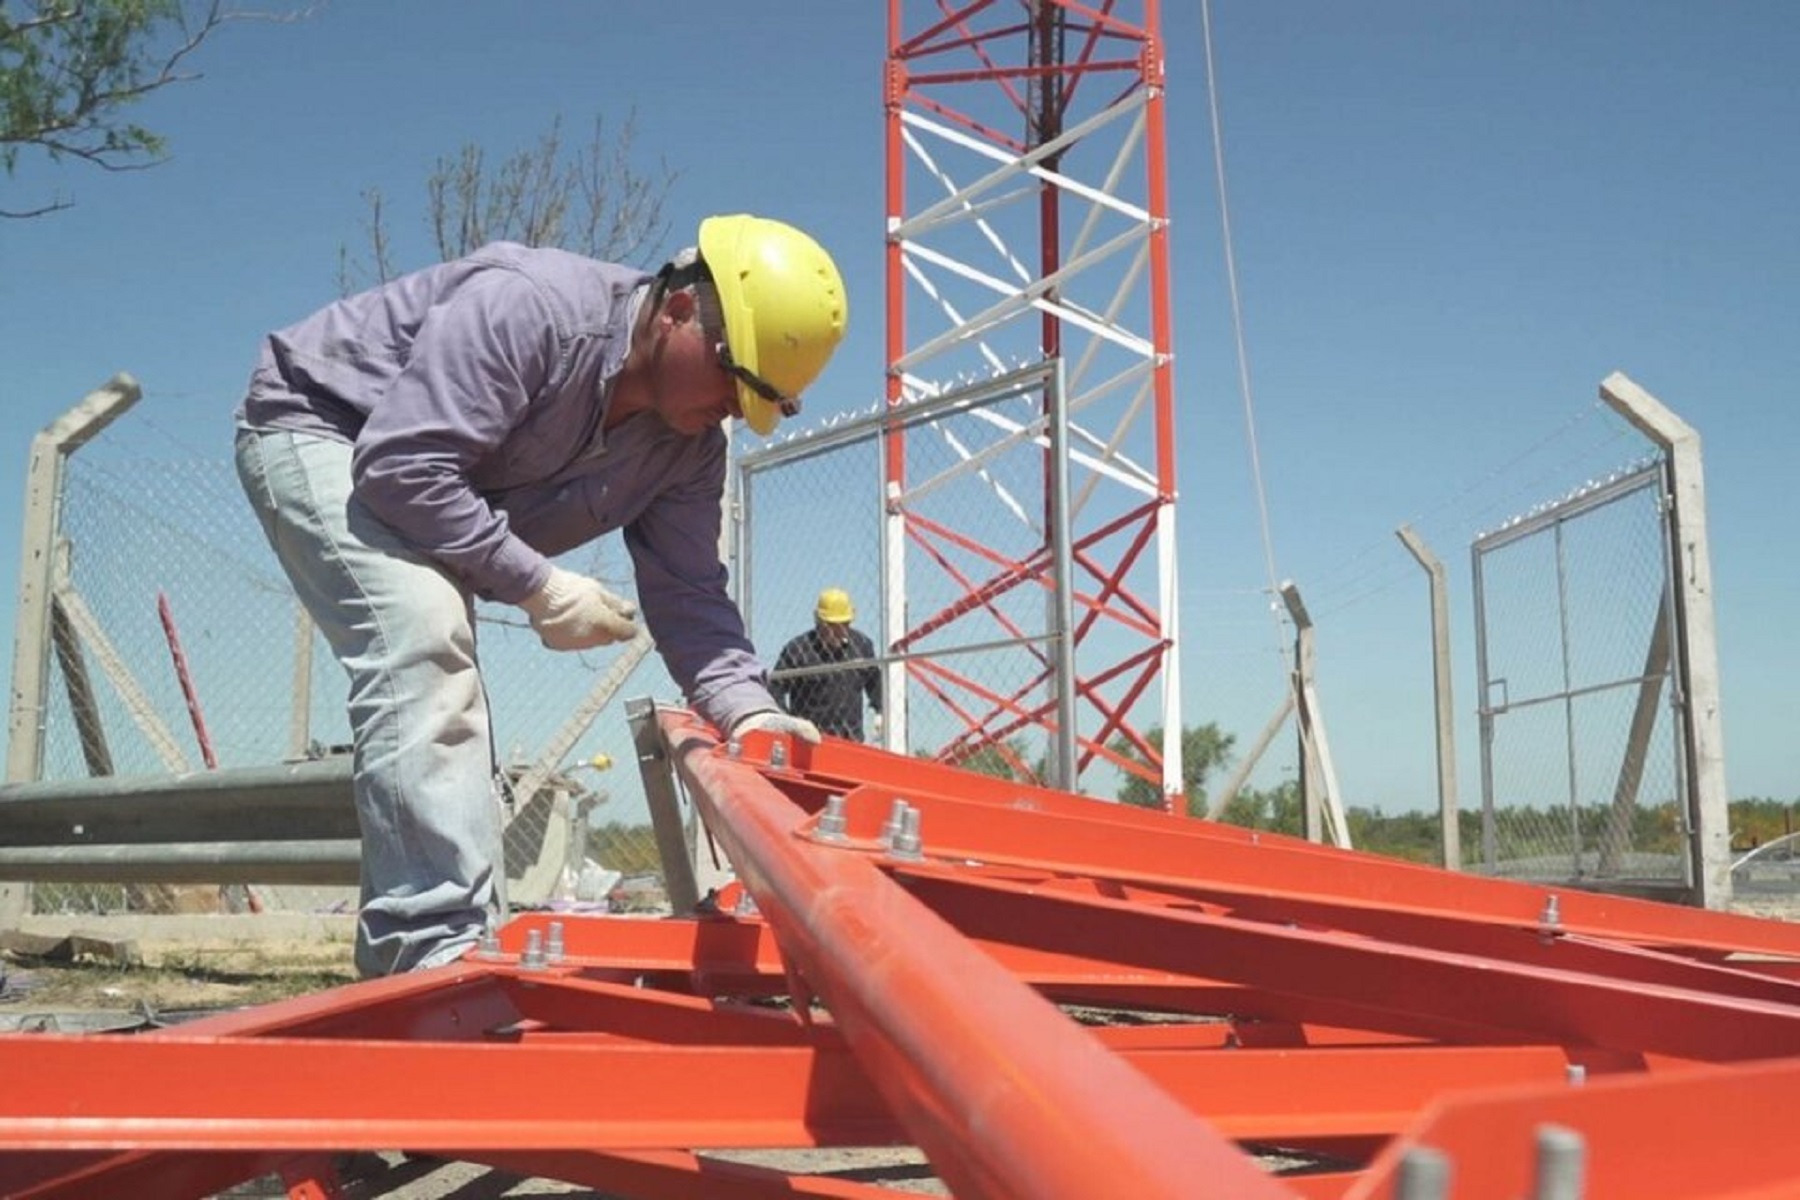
1237	322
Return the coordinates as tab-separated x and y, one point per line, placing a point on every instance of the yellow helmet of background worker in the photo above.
834	607
784	307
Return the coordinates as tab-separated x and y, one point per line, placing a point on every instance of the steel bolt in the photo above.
1550	920
831	822
1561	1164
533	958
890	829
490	944
1424	1175
906	842
553	946
778	753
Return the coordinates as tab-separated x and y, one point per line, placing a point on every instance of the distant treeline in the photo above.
1415	836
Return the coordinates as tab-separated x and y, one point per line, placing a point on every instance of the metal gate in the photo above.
1583	772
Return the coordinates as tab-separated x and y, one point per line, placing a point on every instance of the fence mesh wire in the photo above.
976	606
1584	778
143	536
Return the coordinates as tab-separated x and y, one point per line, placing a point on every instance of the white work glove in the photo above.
770	721
573	612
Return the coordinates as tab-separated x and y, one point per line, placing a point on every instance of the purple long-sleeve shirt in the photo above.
474	393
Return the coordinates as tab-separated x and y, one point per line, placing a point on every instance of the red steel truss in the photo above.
929	955
1026	224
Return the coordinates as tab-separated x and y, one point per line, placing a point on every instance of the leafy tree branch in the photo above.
70	71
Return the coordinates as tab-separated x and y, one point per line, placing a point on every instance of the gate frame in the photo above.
1686	618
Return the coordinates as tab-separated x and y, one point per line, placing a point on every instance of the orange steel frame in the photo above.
1383	1019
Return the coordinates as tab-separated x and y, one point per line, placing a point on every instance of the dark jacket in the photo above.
832	700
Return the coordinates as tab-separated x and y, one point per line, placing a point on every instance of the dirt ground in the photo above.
163	980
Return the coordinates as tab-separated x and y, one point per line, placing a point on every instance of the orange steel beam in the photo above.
1733	1124
953	1042
678	1175
1564	1005
999	821
1319	1000
283	1094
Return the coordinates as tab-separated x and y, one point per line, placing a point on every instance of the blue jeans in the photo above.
404	631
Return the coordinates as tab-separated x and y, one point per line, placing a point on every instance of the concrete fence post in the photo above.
33	629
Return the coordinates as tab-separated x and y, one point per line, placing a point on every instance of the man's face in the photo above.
689	389
834	635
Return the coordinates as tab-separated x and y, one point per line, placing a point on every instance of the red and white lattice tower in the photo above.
1026	225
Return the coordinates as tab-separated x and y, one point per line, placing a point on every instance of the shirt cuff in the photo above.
732	703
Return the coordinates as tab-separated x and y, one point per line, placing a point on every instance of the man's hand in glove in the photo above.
769	721
573	612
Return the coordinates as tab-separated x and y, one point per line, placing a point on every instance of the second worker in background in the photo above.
831	699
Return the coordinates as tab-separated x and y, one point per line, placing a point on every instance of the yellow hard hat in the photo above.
835	607
784	310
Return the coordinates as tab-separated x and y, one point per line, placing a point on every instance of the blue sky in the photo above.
1450	222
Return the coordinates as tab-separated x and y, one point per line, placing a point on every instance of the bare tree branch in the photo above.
592	199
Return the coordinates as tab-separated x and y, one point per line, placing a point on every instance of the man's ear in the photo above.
678	307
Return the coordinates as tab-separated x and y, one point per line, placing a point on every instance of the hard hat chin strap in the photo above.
689	271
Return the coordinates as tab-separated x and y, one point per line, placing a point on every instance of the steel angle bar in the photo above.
1005	1094
1291	1015
1548	1004
1006	822
571	1007
188	1093
1280	1096
1147	864
458	1002
1704	1133
657	953
679	1175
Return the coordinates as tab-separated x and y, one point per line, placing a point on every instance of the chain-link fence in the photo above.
1582	772
160	552
954	575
